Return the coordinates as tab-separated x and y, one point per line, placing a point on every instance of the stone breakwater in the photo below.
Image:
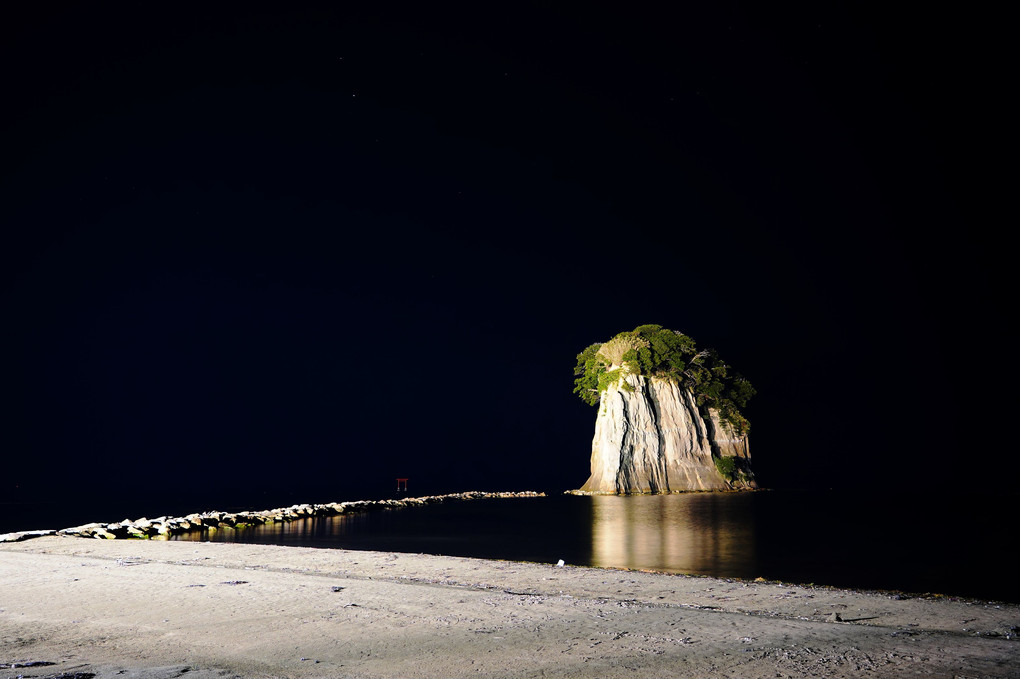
163	528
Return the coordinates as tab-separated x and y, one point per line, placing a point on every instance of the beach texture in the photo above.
75	607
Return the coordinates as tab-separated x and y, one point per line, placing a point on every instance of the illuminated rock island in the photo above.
669	415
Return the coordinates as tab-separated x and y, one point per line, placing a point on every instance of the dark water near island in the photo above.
948	543
908	543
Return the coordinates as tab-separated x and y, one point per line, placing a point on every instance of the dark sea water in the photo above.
912	542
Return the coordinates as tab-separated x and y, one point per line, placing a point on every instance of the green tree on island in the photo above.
654	351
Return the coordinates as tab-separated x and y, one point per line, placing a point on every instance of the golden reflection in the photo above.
698	533
301	532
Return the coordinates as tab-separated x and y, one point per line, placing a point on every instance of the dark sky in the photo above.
272	248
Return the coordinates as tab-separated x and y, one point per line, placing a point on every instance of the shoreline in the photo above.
150	609
197	523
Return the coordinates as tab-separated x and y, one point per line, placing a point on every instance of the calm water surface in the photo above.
912	543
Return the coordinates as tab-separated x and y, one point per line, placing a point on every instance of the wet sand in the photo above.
163	609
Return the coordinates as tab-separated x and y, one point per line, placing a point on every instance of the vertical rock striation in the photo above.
655	439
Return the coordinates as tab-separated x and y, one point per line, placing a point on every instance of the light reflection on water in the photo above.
312	532
698	533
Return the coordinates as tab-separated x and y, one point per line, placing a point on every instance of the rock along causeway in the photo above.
162	528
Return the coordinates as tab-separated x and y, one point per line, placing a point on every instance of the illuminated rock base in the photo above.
655	439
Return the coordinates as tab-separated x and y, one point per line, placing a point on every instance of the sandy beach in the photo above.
74	607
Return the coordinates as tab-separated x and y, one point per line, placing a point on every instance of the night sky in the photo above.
266	249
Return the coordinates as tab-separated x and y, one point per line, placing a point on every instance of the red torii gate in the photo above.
401	482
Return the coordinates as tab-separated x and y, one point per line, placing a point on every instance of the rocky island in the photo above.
669	415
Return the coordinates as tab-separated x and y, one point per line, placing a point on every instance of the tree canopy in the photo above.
654	351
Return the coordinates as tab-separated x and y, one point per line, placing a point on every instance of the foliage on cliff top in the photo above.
654	351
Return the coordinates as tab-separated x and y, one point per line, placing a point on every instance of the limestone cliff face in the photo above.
655	439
